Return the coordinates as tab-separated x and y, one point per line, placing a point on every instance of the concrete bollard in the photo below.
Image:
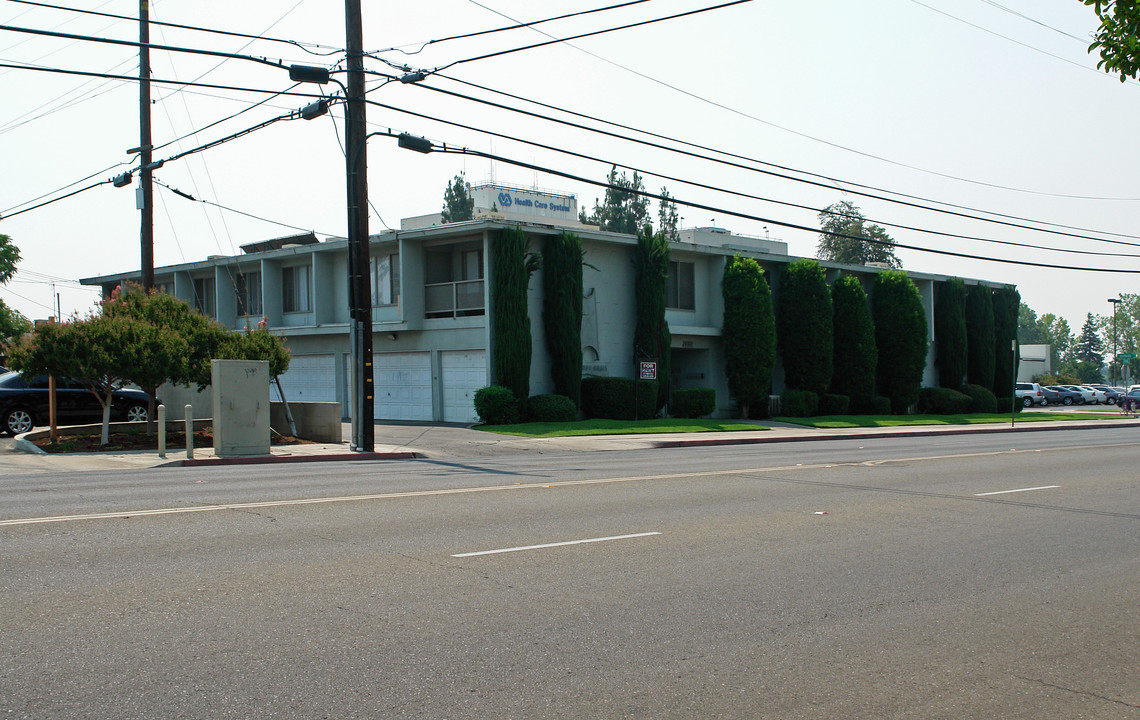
162	431
189	432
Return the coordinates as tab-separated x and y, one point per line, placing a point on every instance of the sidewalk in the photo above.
406	441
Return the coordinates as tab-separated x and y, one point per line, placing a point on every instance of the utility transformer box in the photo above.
241	407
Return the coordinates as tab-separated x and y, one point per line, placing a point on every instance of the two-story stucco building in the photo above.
431	299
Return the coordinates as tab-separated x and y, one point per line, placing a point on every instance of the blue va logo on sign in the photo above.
505	199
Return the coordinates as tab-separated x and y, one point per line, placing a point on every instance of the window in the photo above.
248	287
385	279
295	288
680	294
204	296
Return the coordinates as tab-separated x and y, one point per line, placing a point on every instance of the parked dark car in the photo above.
1052	397
1067	396
24	403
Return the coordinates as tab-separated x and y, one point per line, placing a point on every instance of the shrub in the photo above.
693	402
1003	405
799	403
943	401
613	398
496	405
551	408
834	404
878	405
950	332
983	400
980	336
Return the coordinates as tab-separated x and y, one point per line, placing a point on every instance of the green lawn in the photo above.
620	427
859	421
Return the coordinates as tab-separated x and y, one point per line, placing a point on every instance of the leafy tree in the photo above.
803	326
512	266
1006	301
9	257
980	336
1117	38
562	312
1029	328
624	210
1088	345
901	336
845	219
667	217
950	333
854	341
92	351
651	337
458	205
12	323
749	332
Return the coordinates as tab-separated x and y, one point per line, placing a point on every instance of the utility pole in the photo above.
146	189
359	282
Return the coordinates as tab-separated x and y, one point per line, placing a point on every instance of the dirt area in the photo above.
139	440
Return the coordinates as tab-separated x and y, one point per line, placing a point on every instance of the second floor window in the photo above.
295	288
204	296
680	294
385	279
248	286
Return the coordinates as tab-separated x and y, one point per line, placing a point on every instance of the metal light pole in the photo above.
1115	303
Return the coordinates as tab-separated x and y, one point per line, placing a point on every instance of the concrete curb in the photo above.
268	459
938	430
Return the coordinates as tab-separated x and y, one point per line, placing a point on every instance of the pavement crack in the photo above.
1086	693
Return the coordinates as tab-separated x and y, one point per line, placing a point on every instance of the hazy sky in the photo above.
978	108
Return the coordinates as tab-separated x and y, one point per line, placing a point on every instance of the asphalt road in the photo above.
808	580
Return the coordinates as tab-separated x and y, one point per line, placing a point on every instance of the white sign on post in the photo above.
648	371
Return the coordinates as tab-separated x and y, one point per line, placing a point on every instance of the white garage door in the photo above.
310	378
464	372
403	386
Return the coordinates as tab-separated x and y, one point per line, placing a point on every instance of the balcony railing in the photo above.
454	299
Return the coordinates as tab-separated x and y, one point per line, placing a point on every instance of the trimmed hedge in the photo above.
551	408
1003	405
943	401
834	404
497	405
692	402
799	403
878	405
613	398
983	400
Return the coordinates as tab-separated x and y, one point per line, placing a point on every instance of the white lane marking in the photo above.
126	514
1004	492
557	544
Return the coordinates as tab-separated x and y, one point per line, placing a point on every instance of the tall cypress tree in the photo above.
950	333
803	326
900	333
980	336
562	312
1006	302
748	333
854	342
512	266
651	333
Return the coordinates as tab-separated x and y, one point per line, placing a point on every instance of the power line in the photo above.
129	78
592	33
152	46
188	196
745	195
54	200
503	29
301	45
431	147
804	135
792	178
